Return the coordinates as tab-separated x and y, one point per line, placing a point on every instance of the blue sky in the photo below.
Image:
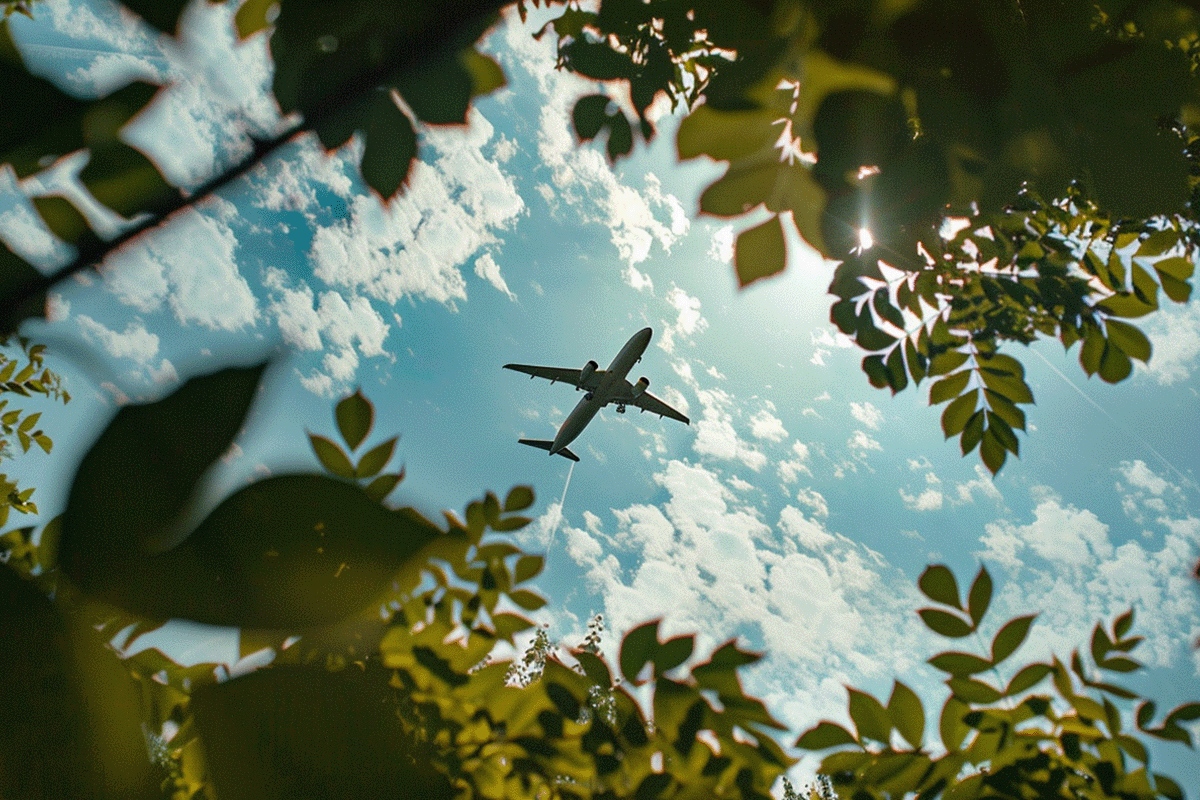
798	508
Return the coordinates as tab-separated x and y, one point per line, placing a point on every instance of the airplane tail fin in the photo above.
544	444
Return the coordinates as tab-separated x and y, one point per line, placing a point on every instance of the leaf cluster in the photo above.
1000	739
32	379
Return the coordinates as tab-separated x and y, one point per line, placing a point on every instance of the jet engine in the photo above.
588	370
639	387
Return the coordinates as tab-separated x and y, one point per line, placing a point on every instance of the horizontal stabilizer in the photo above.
543	444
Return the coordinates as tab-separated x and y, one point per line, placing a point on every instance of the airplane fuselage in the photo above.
612	384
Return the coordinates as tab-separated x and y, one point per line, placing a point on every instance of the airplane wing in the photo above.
648	402
557	374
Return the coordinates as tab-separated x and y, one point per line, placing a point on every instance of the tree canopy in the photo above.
986	174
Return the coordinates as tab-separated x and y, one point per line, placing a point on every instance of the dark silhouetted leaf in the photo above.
980	595
331	456
823	735
354	416
590	115
1009	638
391	147
945	623
760	252
162	14
938	584
375	459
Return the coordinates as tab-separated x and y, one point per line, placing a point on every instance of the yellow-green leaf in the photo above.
760	252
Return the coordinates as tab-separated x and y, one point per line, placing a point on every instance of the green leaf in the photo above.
331	456
973	691
65	221
638	648
1167	787
29	421
354	416
390	147
992	451
870	718
672	653
1115	365
726	135
1027	677
760	252
519	498
950	386
1178	268
876	370
527	567
824	735
980	595
590	115
1011	386
1119	664
907	714
1128	339
951	726
938	584
897	378
960	664
1004	408
382	486
530	601
1157	243
620	136
1010	636
374	460
486	75
162	14
945	623
959	413
972	432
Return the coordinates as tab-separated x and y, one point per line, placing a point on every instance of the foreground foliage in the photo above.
1000	738
382	682
23	374
985	173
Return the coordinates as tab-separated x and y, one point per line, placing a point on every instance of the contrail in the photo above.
1121	426
561	500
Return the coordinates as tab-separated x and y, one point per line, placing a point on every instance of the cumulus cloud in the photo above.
766	426
487	268
1174	333
859	443
190	266
135	343
790	469
715	434
720	249
867	414
1062	535
688	320
928	500
982	483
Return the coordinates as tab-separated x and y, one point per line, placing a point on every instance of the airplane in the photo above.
603	386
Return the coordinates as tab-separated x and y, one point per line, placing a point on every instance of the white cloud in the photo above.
867	414
487	268
824	341
859	442
1174	334
637	279
765	425
715	434
982	483
688	319
134	343
814	500
928	500
1062	535
721	247
1139	476
190	266
791	469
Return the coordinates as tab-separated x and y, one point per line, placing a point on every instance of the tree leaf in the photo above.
907	714
960	664
992	452
938	584
375	459
527	567
519	498
390	147
382	486
1010	636
972	432
331	456
824	735
1027	677
672	653
354	416
973	691
1115	366
870	718
945	623
637	649
959	413
760	252
590	115
980	595
1128	339
620	136
950	386
951	726
530	601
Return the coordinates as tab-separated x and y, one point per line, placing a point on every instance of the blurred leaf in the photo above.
530	601
945	623
980	595
590	115
1114	364
672	653
126	181
760	252
1028	676
519	498
390	149
65	221
960	664
620	136
162	14
938	584
973	691
1010	637
251	16
637	649
1128	339
375	459
382	486
948	387
331	456
951	726
354	416
870	718
907	714
823	735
